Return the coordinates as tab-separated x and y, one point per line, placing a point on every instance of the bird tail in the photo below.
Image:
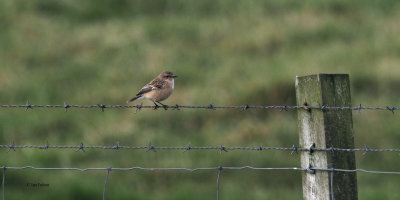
134	98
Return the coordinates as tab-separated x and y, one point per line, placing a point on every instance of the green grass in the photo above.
224	52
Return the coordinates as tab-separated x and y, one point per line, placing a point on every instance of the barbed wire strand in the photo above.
221	148
283	107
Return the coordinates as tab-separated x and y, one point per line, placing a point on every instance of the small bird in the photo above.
159	89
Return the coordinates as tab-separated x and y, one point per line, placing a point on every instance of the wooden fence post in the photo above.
324	129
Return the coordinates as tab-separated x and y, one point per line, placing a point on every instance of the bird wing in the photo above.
153	85
145	89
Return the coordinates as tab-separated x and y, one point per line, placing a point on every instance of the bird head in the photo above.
168	75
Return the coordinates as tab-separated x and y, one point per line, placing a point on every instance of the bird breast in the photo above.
164	93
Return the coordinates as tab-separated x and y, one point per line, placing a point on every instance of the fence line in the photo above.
210	106
292	149
337	90
219	168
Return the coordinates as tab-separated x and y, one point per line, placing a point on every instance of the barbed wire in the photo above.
221	148
219	168
211	106
293	149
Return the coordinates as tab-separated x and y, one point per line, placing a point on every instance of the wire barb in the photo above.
165	107
222	148
116	147
391	109
211	107
367	150
102	106
187	148
294	150
80	147
284	108
175	107
66	106
322	107
11	146
151	147
332	149
28	105
46	146
139	107
260	148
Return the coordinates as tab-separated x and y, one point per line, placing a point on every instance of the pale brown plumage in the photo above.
159	89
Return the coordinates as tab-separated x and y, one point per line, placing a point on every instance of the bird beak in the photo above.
174	76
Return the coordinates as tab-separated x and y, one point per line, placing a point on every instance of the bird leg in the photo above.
163	105
156	106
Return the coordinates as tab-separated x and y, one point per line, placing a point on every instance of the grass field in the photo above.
224	52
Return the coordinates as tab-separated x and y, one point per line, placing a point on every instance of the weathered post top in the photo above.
324	129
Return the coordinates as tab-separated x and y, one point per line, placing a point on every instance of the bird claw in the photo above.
165	107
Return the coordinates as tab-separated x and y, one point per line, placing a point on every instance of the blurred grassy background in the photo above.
225	52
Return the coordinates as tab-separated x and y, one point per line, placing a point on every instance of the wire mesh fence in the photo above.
219	170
